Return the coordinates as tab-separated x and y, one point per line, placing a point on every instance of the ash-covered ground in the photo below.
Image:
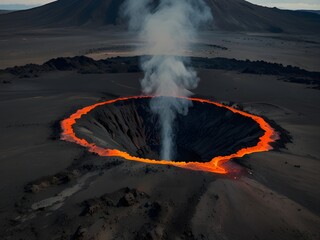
52	189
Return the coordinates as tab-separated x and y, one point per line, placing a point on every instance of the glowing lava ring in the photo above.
215	165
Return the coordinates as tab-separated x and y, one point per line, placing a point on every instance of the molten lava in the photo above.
215	165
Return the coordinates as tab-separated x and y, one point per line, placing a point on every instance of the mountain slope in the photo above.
5	11
229	15
66	13
239	15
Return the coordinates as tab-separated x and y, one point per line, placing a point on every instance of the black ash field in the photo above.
53	189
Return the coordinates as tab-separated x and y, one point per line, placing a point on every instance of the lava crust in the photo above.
208	136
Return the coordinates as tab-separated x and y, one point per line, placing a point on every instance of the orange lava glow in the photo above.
215	165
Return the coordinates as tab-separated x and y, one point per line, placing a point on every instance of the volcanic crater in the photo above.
129	125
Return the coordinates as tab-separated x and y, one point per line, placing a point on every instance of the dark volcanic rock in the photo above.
85	65
72	173
80	234
127	200
90	208
58	179
151	232
207	131
125	197
154	210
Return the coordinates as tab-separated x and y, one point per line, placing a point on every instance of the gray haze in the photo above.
166	29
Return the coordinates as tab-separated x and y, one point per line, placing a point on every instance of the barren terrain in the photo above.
54	189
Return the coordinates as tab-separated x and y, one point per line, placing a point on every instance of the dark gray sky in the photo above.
287	4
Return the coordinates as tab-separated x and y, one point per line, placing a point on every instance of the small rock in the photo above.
90	210
154	210
32	188
80	234
106	201
127	200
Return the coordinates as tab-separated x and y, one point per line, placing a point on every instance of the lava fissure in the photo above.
143	139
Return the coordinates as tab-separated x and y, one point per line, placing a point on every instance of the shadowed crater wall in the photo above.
206	132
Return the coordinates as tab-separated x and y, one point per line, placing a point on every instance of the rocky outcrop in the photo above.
85	65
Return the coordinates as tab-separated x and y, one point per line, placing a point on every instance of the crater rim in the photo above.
215	165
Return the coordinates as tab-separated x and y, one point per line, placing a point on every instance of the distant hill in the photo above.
16	7
5	11
66	13
240	15
229	15
310	11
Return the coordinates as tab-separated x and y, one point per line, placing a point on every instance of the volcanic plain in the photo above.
55	189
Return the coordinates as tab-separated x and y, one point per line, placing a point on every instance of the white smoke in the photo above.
167	27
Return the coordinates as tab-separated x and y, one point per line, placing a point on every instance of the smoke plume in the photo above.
166	28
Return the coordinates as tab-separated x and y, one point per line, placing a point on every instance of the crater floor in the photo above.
207	131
